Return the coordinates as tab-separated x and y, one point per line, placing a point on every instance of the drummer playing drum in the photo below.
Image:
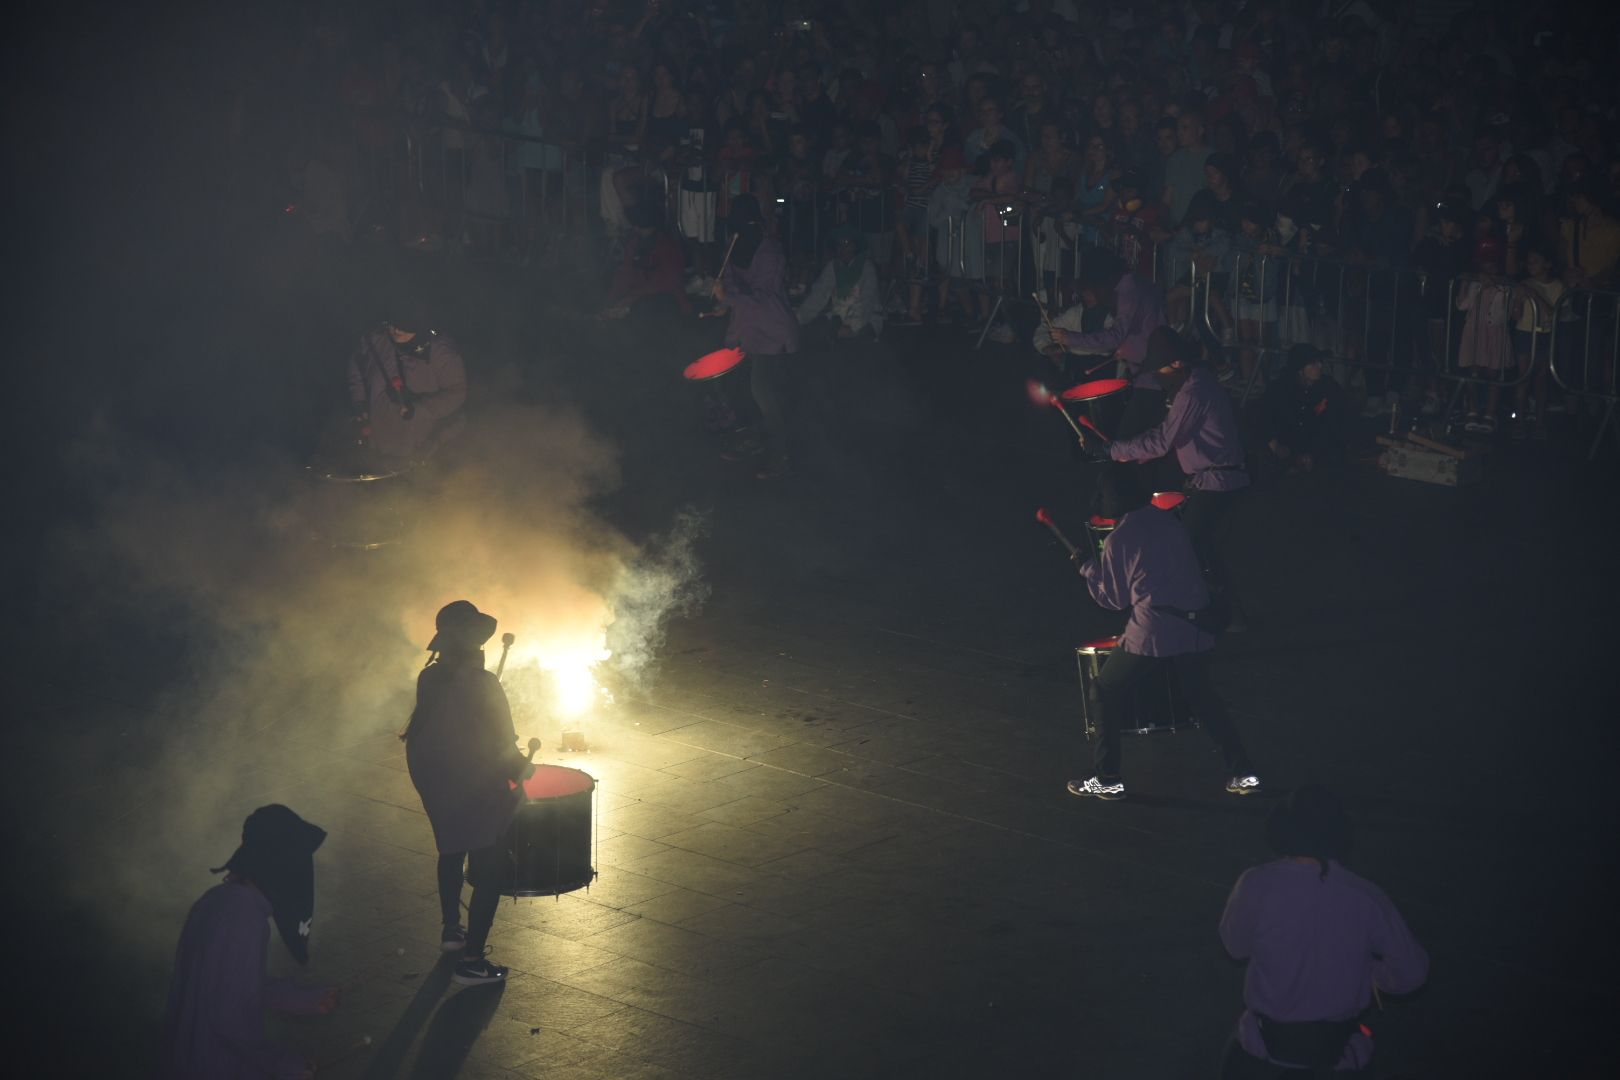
1202	430
1147	567
1137	308
461	751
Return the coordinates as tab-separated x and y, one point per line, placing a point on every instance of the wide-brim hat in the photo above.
461	628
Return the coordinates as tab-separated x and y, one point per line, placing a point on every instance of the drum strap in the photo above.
1211	619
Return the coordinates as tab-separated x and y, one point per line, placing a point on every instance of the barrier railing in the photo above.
1585	353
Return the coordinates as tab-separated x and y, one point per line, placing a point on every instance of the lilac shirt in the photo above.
1315	948
1138	311
214	1028
1202	430
762	322
1148	559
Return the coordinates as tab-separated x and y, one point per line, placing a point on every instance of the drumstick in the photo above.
506	647
1086	420
1044	516
725	262
1098	367
1045	318
1041	393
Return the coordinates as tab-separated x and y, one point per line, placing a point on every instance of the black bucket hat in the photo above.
278	855
461	628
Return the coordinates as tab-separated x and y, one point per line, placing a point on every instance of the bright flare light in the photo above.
553	677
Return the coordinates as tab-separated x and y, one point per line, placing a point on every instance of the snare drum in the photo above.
1102	401
1169	500
356	507
1099	528
1154	703
549	842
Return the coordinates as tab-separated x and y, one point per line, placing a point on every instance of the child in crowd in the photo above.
1135	223
998	212
916	175
1198	249
1258	273
1538	294
1442	257
1055	241
1486	352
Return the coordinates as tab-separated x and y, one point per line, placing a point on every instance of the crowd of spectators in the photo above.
975	146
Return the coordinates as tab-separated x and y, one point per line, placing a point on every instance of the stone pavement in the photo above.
833	836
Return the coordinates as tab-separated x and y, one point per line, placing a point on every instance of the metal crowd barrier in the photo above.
1585	360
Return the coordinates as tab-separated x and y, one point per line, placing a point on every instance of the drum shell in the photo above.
358	510
1154	703
549	845
1106	411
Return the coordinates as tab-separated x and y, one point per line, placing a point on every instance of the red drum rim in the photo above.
1106	644
557	782
1168	500
1097	388
712	365
1099	522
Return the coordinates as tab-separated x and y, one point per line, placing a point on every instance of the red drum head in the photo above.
714	364
1091	391
556	781
1100	522
1168	500
1107	644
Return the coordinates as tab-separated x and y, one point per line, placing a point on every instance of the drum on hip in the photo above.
1102	401
1153	704
550	842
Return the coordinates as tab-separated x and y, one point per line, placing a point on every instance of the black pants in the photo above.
1239	1064
771	384
1123	670
1206	514
483	869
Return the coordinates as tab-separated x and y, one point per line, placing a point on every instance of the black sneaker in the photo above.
477	972
453	939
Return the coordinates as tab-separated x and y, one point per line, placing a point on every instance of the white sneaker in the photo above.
1098	789
1243	785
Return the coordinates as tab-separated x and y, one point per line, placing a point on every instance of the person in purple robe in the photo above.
1319	942
1201	430
213	1028
407	386
461	751
764	325
1148	567
1137	307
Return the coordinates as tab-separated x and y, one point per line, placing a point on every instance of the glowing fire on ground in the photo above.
552	677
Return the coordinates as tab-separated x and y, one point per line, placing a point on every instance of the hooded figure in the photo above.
278	855
1318	939
847	287
1302	414
407	384
214	1025
461	751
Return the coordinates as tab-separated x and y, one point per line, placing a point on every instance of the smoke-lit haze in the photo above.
305	648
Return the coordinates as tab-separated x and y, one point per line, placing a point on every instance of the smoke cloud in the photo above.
289	645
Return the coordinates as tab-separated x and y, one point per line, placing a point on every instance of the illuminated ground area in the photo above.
834	837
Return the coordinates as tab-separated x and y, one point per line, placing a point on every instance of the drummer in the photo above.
1148	567
461	751
764	325
407	385
1136	307
1202	430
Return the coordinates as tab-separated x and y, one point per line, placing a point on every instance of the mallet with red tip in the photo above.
1044	516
